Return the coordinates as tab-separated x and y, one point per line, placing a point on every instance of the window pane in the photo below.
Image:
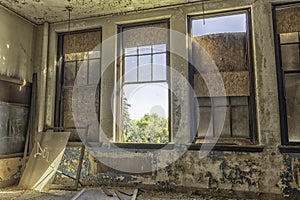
290	57
94	54
220	24
204	101
130	69
218	121
292	86
69	73
240	121
145	109
131	51
204	121
94	71
145	50
145	68
82	68
289	37
159	67
159	48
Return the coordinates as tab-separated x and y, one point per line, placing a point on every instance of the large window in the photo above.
288	39
144	83
225	39
79	51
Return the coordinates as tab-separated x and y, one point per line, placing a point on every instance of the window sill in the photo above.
144	146
190	147
289	149
226	147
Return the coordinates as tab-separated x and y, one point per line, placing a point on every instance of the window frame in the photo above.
120	68
280	76
253	135
59	108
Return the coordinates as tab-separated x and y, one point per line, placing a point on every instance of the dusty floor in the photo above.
117	194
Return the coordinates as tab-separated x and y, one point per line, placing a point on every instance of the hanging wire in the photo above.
203	11
69	8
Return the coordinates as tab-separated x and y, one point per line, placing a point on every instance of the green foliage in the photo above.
149	129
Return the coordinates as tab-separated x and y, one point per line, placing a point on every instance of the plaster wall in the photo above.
268	171
17	42
17	49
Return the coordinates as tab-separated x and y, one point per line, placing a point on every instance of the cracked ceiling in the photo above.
40	11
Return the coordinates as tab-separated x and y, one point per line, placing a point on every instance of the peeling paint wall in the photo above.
10	169
16	46
266	172
259	172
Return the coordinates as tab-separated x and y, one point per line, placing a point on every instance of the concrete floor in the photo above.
98	194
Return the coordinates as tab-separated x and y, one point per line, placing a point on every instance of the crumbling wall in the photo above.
10	171
238	171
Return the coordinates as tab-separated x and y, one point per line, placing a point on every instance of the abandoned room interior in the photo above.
149	99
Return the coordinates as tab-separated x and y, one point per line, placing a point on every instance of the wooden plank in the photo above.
135	194
44	160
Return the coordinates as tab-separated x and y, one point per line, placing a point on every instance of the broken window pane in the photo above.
224	39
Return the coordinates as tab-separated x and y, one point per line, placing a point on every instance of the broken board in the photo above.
44	160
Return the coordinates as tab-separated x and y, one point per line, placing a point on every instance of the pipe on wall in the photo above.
43	79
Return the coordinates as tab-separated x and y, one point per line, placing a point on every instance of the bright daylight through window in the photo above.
144	88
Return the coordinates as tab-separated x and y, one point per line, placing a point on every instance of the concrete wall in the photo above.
17	48
268	171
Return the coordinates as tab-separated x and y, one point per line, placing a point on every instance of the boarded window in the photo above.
81	52
288	30
222	41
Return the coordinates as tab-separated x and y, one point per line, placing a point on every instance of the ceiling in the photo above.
40	11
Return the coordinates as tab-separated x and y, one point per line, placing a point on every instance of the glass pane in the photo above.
159	67
94	54
205	120
218	121
239	101
81	77
69	73
220	24
290	57
145	109
159	48
292	87
130	69
94	71
220	101
289	37
145	68
204	101
131	51
240	121
145	50
70	57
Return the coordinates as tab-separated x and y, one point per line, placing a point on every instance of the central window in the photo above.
144	83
